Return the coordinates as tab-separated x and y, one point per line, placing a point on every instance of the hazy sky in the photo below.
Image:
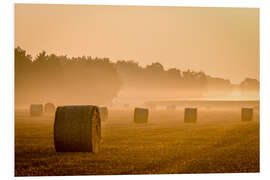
222	42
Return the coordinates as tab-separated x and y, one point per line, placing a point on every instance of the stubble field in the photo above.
219	142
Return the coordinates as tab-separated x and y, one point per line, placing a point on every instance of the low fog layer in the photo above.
88	80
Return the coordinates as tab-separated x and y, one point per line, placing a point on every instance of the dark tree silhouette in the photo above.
88	80
59	79
249	87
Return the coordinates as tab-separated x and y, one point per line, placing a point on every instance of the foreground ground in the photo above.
219	142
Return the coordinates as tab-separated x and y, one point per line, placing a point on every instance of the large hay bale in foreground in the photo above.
36	109
103	111
171	107
140	115
77	129
49	108
247	114
190	115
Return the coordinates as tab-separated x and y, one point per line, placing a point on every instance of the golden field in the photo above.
219	142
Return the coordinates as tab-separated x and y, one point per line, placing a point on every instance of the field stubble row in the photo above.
218	142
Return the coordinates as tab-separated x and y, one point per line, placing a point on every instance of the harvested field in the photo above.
218	142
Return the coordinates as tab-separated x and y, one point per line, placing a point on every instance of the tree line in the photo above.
62	79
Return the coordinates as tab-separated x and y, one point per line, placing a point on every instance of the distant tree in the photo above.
23	61
155	68
23	74
64	80
250	87
250	83
174	73
96	80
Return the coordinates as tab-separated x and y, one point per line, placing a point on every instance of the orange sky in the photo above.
223	42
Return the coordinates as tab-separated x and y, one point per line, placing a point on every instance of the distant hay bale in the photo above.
77	129
36	109
140	115
49	108
171	107
103	111
190	115
247	114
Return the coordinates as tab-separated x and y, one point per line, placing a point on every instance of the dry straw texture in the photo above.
247	114
103	111
140	115
190	115
77	129
36	109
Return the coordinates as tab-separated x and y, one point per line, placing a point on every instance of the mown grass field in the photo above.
219	142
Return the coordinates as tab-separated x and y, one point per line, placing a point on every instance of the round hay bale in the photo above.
77	129
247	114
190	115
49	108
141	115
36	109
103	111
